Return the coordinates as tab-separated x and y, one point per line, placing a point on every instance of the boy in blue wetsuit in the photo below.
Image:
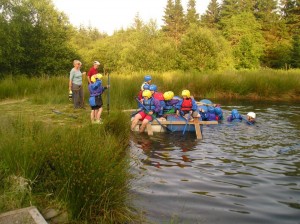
234	116
151	107
96	89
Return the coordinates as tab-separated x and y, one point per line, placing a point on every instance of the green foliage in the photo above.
85	167
243	32
211	17
34	38
201	49
192	17
295	56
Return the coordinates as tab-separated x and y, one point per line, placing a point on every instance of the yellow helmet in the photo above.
97	76
168	95
147	93
186	93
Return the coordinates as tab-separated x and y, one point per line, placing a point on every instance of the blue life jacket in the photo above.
168	105
203	112
96	88
149	104
219	112
235	115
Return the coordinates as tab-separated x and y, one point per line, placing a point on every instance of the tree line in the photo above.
37	39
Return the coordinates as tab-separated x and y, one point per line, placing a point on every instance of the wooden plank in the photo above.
197	128
182	122
149	129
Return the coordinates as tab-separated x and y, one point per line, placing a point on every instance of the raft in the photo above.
175	123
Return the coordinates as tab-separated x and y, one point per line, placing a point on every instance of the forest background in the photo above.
36	39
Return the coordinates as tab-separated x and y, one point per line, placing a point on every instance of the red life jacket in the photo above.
158	96
186	104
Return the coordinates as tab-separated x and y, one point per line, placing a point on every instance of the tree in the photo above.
39	35
243	32
201	49
175	24
291	15
295	55
192	17
212	15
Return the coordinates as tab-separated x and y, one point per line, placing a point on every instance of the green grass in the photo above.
51	158
85	167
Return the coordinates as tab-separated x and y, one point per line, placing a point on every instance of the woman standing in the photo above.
75	84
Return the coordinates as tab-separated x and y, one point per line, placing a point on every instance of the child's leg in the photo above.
136	119
98	113
92	115
144	124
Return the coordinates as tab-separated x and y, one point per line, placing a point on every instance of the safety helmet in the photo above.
235	114
186	93
97	76
218	111
168	95
146	86
147	93
252	114
153	88
147	78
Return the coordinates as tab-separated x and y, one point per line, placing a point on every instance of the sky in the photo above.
110	15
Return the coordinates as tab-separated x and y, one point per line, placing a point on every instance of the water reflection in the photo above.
235	174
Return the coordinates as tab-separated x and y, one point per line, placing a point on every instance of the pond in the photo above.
236	173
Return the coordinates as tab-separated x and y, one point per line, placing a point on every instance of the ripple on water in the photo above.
235	174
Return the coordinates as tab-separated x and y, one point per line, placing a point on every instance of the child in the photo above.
251	118
169	103
151	108
147	80
187	106
96	89
235	116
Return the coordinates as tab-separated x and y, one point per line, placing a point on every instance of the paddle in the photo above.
186	121
108	98
153	117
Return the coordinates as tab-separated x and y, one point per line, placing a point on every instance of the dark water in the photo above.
236	174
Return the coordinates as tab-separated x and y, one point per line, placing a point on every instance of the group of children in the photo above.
156	105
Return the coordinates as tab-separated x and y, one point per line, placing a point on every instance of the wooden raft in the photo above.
196	122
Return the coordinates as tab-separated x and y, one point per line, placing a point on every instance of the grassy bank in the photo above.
49	159
261	85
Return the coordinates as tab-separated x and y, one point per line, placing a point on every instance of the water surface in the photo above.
236	173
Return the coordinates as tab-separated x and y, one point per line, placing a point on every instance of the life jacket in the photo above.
203	112
96	88
149	105
169	105
219	113
159	96
186	104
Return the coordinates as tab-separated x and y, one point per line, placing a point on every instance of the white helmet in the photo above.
252	114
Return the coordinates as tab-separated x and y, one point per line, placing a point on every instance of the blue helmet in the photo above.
211	110
153	88
146	86
147	78
218	111
235	114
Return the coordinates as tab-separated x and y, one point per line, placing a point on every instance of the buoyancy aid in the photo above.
96	88
149	105
159	96
186	104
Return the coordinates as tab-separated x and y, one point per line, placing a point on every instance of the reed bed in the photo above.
84	167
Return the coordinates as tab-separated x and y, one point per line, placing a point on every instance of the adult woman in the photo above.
75	84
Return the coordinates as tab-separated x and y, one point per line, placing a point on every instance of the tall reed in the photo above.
86	167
